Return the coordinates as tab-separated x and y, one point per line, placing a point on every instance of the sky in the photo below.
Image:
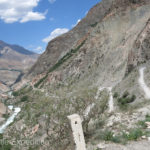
33	23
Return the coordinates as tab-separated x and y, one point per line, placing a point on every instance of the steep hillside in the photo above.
14	60
99	70
57	48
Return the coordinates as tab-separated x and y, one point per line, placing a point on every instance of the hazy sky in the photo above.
32	23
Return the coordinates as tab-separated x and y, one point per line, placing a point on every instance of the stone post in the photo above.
77	130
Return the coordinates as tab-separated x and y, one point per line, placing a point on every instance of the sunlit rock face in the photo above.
116	35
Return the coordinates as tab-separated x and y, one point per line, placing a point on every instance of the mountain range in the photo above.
14	61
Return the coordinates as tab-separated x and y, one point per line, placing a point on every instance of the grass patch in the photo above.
123	137
143	122
134	134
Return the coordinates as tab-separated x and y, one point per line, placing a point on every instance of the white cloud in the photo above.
32	16
19	11
55	33
39	49
52	1
76	23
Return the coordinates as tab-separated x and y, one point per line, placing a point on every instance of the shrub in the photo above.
5	145
116	139
94	24
122	101
116	95
125	99
125	94
40	81
6	116
15	93
147	118
1	136
134	134
24	98
142	123
108	135
132	99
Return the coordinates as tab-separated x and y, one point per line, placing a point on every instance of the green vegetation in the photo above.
124	99
1	136
94	24
15	93
4	144
40	81
22	91
60	62
54	111
116	95
143	122
123	137
134	134
24	98
6	116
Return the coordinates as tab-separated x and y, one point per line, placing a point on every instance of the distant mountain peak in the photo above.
16	48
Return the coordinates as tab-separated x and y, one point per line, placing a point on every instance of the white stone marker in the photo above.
77	130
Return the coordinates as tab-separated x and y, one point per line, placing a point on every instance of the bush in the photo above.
125	94
24	98
116	139
142	123
5	145
108	135
132	99
15	93
116	95
6	116
94	24
134	134
147	118
1	136
40	81
126	99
